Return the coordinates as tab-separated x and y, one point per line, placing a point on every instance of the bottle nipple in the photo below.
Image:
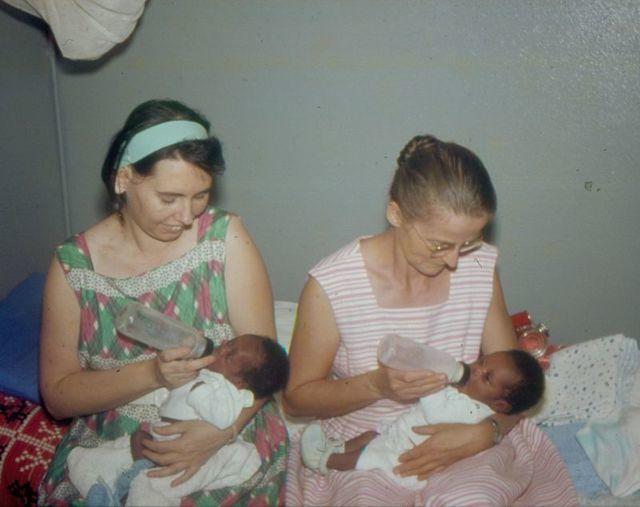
461	375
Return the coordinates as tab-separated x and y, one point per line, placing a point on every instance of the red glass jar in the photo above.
534	338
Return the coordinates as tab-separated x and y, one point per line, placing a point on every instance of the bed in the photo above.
28	435
594	425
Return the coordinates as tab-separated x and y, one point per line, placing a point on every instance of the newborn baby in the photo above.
507	382
245	368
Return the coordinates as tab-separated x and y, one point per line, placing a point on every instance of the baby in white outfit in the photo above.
507	382
245	368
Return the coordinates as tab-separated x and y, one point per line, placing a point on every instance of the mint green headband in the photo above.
160	136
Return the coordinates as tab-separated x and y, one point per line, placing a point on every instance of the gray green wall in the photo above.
313	100
31	204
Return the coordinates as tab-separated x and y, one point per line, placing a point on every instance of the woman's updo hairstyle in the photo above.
205	153
432	174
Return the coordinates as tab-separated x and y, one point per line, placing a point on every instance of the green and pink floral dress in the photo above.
192	289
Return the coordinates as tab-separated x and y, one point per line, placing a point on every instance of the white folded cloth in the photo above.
592	379
231	465
613	446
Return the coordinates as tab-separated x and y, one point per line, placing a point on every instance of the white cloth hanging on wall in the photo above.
85	29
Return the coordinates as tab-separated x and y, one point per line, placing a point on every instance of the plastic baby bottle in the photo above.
159	331
404	354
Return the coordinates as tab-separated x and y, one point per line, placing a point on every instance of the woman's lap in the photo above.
353	488
524	469
266	430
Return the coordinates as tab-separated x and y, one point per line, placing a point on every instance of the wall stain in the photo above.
552	247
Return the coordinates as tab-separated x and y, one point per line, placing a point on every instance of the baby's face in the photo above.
490	380
236	356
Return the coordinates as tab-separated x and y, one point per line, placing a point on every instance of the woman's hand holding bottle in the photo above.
173	368
405	386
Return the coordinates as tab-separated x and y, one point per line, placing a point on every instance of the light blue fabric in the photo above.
101	495
20	338
612	445
160	136
585	479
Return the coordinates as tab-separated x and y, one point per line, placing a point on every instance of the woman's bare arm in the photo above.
67	389
313	347
64	384
498	333
248	290
249	296
311	392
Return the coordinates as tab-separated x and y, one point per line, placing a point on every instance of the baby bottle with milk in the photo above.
146	325
402	353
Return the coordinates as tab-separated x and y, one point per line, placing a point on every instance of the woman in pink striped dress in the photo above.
429	277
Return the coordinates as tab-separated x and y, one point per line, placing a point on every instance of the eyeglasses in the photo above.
439	249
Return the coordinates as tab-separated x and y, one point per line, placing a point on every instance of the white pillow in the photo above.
285	312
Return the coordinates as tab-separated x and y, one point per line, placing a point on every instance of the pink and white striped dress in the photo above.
499	476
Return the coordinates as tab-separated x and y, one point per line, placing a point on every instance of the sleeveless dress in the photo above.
455	326
192	289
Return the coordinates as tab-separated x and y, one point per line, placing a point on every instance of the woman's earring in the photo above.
120	180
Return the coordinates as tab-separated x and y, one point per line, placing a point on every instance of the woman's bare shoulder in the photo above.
235	223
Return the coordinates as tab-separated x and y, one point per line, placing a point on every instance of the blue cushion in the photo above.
19	338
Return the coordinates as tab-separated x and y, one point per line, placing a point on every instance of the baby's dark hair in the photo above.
272	374
526	393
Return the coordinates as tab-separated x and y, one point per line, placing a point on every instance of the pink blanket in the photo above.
524	470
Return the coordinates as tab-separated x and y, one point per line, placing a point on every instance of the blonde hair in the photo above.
433	174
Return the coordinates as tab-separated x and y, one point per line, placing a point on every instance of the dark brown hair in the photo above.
205	153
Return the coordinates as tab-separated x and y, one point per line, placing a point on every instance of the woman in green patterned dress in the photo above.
167	248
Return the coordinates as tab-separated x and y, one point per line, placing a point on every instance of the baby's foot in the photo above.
316	448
